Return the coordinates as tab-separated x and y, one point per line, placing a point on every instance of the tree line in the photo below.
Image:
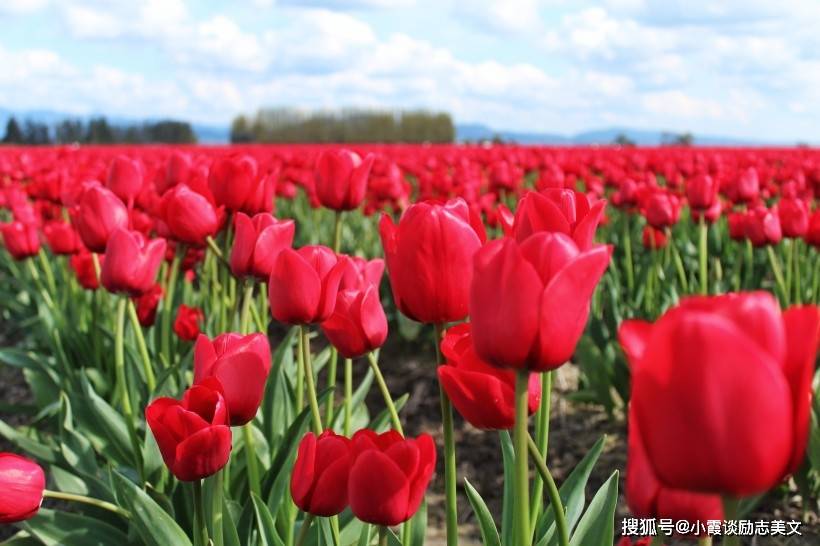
285	125
97	131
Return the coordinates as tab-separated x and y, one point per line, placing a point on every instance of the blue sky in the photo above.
748	69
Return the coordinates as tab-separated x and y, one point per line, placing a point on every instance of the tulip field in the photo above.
201	345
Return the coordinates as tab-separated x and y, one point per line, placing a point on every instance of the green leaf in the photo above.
597	526
265	523
489	532
508	454
229	532
153	524
54	528
97	414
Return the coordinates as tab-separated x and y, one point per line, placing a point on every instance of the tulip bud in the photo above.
341	179
99	213
189	216
358	324
303	285
258	242
558	211
21	240
22	482
147	304
125	178
61	237
319	480
131	262
83	265
186	324
232	180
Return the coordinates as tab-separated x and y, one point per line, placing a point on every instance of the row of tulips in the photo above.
186	246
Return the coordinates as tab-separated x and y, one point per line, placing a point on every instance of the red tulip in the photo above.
147	304
763	226
99	213
177	171
813	231
748	185
358	324
190	217
529	301
654	239
430	260
700	424
192	434
22	482
341	179
483	394
303	284
737	225
319	480
186	324
794	217
241	364
21	240
61	237
389	475
125	178
131	262
662	209
258	242
702	192
232	180
360	273
558	211
83	265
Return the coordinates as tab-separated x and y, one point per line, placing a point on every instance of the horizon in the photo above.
746	70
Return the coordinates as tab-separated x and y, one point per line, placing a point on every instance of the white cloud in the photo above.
18	7
507	16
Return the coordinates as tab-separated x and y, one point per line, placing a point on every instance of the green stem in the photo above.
521	516
300	373
778	273
684	282
52	286
250	455
200	523
58	495
245	317
167	306
449	452
217	251
790	266
703	255
43	292
337	232
552	490
303	530
122	384
750	265
331	384
630	267
216	507
348	395
542	428
382	535
730	513
147	368
388	400
310	384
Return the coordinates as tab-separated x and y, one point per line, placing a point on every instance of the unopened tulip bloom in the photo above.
699	407
22	482
83	265
193	435
654	239
794	217
429	259
702	192
389	475
62	238
360	273
21	240
813	231
232	180
303	285
146	304
241	364
125	176
483	394
529	301
358	324
763	226
99	213
131	262
258	242
189	216
737	225
341	179
177	171
748	185
319	480
662	209
559	211
186	324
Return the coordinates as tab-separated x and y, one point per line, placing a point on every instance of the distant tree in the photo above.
68	131
169	132
13	133
99	132
241	130
623	140
685	139
36	133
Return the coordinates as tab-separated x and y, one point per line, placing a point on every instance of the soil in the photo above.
574	429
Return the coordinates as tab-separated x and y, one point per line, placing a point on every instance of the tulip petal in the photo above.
378	490
243	377
483	400
202	454
294	289
633	335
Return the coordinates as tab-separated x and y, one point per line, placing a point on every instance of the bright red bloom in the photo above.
483	394
192	434
762	226
98	214
558	211
83	265
662	209
389	475
699	423
258	242
21	240
530	301
430	259
794	217
232	180
62	238
186	324
748	185
147	304
189	216
360	273
22	482
303	284
319	480
124	178
358	324
654	239
702	192
131	262
813	231
341	179
241	364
